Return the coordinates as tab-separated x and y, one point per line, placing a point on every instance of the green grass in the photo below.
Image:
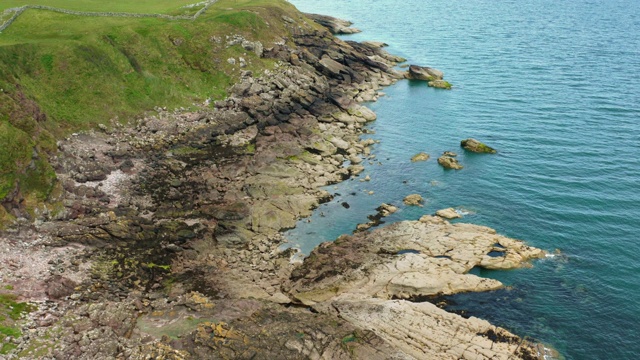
69	73
137	6
13	309
10	312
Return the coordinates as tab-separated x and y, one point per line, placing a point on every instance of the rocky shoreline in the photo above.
166	242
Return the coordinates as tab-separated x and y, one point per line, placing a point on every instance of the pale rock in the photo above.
449	213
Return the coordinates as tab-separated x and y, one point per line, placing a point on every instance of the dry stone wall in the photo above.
20	10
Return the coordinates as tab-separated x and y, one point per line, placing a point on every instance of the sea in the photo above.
554	86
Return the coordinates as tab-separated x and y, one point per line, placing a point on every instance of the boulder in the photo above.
59	286
420	157
449	162
424	73
362	112
386	209
476	146
449	213
339	143
332	67
355	159
413	200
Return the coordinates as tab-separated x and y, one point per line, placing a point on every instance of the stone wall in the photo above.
20	10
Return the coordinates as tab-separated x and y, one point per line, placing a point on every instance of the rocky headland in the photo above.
165	245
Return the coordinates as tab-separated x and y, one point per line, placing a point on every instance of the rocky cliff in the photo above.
166	245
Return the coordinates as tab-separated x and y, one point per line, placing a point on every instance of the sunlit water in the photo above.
555	87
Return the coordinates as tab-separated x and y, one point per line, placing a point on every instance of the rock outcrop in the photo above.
335	25
358	277
474	145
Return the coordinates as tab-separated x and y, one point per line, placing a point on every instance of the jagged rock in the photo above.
449	162
335	25
476	146
449	213
413	200
420	157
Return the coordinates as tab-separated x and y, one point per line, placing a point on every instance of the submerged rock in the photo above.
413	200
440	84
420	157
474	145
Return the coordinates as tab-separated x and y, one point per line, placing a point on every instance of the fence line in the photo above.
20	10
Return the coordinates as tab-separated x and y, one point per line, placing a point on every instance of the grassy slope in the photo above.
69	73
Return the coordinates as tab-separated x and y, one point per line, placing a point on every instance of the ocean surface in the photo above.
554	86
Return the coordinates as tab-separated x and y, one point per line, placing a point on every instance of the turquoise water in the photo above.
555	87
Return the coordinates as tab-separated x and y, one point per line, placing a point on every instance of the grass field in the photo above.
135	6
62	73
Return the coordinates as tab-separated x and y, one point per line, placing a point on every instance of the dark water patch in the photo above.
495	253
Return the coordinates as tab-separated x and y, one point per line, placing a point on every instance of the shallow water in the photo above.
555	87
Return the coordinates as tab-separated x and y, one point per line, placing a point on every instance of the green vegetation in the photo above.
62	73
10	312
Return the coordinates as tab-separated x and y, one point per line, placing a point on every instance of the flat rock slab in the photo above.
425	331
378	264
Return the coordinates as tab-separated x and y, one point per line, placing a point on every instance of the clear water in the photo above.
555	87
